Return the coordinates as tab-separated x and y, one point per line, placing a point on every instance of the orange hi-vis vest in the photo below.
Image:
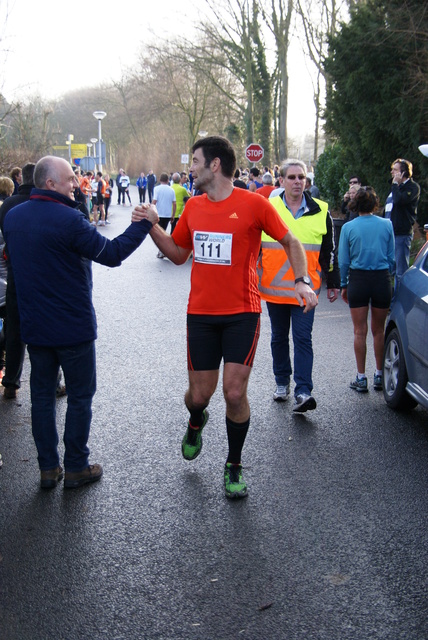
276	277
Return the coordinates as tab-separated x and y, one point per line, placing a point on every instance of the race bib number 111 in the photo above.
212	248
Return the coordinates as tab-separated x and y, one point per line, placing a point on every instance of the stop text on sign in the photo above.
254	152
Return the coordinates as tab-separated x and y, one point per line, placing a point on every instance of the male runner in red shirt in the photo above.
223	229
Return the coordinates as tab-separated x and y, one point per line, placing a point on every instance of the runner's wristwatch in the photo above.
304	279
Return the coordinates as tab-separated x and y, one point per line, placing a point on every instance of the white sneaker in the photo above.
282	392
304	402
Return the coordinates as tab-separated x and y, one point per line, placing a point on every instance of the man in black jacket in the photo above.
151	182
15	348
401	208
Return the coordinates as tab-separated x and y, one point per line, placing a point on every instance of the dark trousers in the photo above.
78	365
15	348
106	206
120	195
142	194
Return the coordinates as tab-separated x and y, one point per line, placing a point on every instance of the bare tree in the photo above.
319	19
278	16
234	43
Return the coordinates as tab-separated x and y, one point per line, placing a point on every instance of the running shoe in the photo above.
191	444
234	484
282	392
360	385
377	382
304	402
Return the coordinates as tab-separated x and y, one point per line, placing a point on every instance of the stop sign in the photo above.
254	152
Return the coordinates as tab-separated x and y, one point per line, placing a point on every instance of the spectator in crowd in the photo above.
151	182
181	197
238	181
98	210
313	189
14	347
79	196
253	178
185	182
3	286
119	189
107	195
165	200
6	188
401	208
267	187
366	260
142	186
86	189
354	185
124	182
16	177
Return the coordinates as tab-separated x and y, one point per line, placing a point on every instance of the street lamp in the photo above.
94	142
99	115
68	142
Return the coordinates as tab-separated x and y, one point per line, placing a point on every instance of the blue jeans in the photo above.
78	365
280	317
402	256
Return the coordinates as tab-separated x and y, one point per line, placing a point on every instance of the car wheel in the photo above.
395	375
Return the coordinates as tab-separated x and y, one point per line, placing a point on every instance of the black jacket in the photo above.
405	198
23	195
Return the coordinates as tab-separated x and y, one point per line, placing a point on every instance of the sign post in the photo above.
254	152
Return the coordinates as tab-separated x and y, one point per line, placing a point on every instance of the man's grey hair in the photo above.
290	162
176	178
267	178
45	168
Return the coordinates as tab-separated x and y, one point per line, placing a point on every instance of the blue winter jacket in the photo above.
51	245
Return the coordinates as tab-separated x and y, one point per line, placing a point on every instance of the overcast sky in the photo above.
53	46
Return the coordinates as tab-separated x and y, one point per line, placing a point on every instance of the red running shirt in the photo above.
225	238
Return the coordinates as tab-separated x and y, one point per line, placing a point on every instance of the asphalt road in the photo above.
331	543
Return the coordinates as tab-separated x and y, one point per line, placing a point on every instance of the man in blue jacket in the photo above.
51	245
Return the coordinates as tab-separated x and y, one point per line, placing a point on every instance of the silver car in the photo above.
405	360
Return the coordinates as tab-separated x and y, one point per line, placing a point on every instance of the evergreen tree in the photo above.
377	102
